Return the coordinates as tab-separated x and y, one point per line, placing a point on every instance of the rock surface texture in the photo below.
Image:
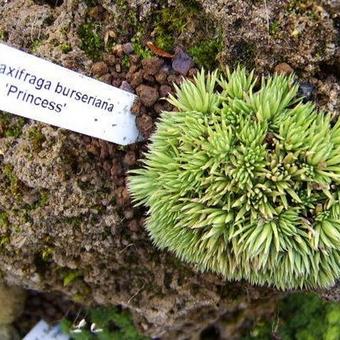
66	220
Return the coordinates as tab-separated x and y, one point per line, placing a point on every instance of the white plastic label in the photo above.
43	331
38	89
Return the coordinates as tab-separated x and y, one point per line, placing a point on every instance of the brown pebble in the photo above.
128	48
145	125
133	225
118	50
283	68
192	72
116	82
106	78
161	106
132	70
149	78
136	107
136	79
176	79
151	66
122	196
165	90
161	77
104	150
147	94
118	68
99	69
130	158
134	59
116	168
110	59
128	213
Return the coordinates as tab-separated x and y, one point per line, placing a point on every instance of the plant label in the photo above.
43	331
38	89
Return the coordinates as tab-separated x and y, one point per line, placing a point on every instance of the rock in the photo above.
283	68
118	68
130	158
176	79
134	226
192	72
136	79
106	78
145	125
182	62
110	59
151	66
161	77
306	90
137	107
147	94
118	50
128	48
99	69
126	87
165	90
12	303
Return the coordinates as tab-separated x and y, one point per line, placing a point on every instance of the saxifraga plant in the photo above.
243	181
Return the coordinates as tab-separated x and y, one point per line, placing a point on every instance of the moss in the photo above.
91	3
4	240
274	28
3	219
3	35
300	316
13	181
43	200
73	221
65	48
11	125
70	276
91	41
205	53
243	53
170	23
46	254
36	138
126	61
138	47
114	323
36	44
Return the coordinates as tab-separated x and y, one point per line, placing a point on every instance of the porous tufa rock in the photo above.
244	182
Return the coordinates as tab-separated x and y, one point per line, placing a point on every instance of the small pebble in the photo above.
110	59
128	48
147	94
99	69
306	90
151	66
283	68
126	87
106	78
136	79
133	225
118	50
118	68
161	77
145	125
130	158
182	62
165	90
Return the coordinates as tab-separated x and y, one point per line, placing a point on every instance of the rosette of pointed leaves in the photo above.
243	181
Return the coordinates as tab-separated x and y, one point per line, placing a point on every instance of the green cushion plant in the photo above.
243	181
